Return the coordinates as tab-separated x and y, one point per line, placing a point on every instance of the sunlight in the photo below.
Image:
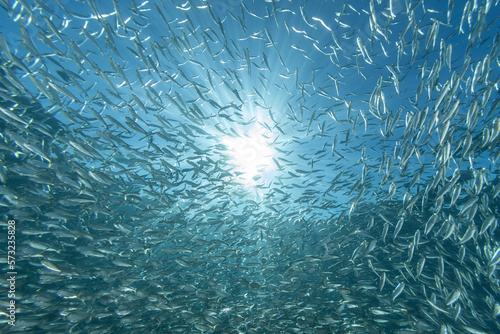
252	155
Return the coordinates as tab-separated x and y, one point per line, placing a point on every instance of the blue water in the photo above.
213	196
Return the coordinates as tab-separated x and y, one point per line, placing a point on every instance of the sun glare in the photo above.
252	155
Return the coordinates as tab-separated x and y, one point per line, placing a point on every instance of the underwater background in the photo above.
249	166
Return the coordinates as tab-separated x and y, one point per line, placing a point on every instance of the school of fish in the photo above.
195	166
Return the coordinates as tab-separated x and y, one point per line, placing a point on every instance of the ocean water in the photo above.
249	166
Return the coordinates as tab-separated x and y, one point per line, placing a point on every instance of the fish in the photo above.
397	291
454	296
331	166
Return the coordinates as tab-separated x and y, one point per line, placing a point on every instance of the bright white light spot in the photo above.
252	155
